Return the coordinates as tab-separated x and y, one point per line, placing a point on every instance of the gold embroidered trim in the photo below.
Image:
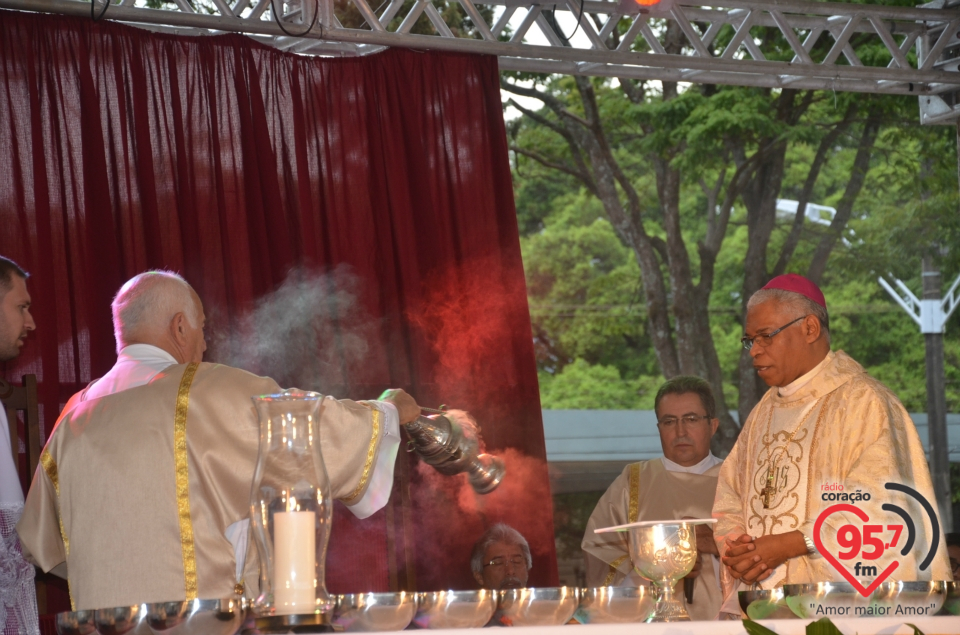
814	442
634	493
183	482
371	453
632	516
612	574
49	465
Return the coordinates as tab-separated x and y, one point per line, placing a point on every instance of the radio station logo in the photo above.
861	547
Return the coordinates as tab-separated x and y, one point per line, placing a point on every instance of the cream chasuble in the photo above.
138	364
840	428
648	491
108	501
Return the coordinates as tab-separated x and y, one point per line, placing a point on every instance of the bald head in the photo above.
161	309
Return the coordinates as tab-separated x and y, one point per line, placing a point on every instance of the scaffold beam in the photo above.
767	43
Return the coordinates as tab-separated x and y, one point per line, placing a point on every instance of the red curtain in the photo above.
233	163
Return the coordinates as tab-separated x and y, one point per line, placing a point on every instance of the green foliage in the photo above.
823	626
585	290
584	386
755	628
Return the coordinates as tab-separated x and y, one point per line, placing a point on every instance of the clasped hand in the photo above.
754	559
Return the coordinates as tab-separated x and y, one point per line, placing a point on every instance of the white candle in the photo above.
294	562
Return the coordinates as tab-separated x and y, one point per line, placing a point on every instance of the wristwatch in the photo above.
811	548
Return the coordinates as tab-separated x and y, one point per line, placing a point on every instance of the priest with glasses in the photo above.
680	484
825	432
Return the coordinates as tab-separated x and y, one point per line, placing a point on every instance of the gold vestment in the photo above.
105	499
843	428
648	491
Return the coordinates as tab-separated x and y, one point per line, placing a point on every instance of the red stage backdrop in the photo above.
348	223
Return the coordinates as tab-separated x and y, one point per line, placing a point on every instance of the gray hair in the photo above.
498	533
149	301
792	300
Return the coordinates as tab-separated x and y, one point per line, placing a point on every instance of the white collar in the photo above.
146	354
708	462
798	383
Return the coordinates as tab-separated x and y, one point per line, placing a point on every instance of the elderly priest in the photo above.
824	427
112	507
680	484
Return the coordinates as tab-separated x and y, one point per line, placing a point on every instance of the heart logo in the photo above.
862	515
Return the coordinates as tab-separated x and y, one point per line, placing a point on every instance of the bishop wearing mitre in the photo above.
825	433
143	493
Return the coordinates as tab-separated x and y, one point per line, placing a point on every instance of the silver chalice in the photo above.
663	552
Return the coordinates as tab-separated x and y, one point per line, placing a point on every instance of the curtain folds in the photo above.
348	223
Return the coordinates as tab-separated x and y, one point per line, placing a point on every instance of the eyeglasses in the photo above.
764	339
688	420
502	562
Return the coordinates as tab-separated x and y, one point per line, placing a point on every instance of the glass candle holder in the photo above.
291	511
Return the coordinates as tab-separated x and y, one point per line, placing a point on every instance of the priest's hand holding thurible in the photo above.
406	405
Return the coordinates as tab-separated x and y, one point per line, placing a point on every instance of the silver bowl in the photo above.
121	619
207	617
75	623
550	606
890	599
163	616
455	609
615	605
951	603
366	612
766	604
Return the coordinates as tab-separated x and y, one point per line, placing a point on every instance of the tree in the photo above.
640	151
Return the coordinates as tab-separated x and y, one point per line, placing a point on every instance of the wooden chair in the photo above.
23	399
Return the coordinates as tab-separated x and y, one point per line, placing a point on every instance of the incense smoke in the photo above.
308	333
313	333
472	316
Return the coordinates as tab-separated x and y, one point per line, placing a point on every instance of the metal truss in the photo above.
769	43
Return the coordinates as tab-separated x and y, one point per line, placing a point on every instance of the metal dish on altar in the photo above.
121	619
615	605
841	599
549	606
367	612
207	617
766	604
75	623
951	603
455	609
663	552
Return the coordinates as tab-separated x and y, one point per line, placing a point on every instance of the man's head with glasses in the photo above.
686	418
501	558
787	329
